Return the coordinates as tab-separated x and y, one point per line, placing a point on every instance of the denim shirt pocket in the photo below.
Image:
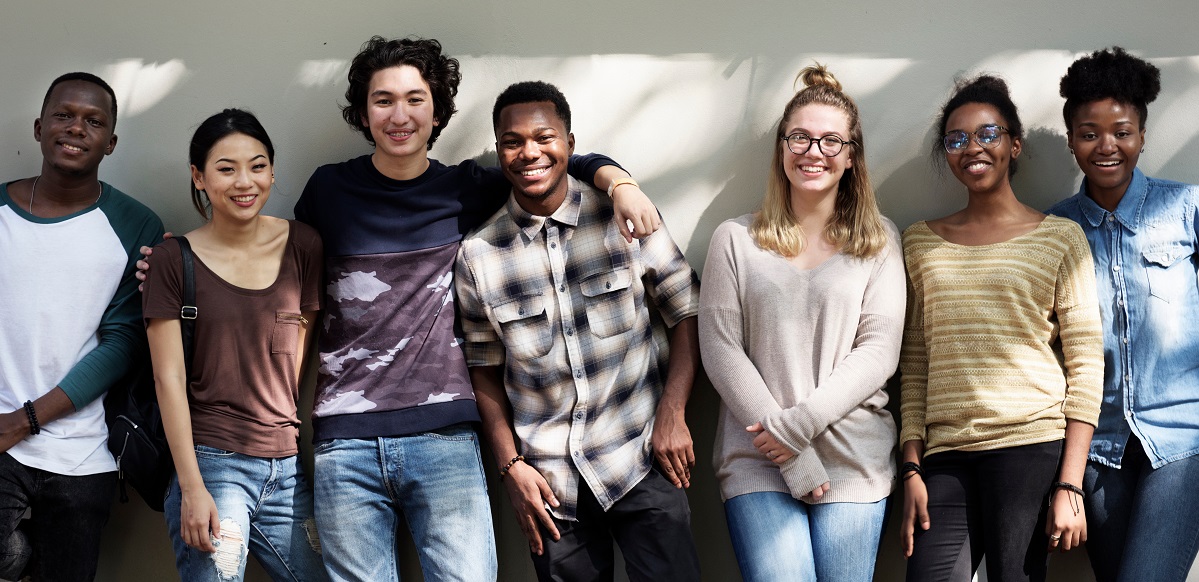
525	326
1167	272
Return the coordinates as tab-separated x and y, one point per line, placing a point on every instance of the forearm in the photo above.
1074	452
496	412
682	366
605	175
913	451
170	385
15	425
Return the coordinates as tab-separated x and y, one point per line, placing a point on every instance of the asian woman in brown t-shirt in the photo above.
232	422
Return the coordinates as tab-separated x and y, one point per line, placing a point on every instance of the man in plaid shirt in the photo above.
566	338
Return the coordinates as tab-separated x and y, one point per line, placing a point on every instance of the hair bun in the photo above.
817	75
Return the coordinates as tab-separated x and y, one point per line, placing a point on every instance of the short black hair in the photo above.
424	54
988	90
531	92
86	77
214	129
1110	74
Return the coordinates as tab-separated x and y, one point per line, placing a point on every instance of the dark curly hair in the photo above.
1110	74
424	54
988	90
531	92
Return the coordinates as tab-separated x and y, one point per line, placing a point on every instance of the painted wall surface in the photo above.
684	94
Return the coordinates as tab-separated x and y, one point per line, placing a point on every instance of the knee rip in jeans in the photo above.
230	554
314	539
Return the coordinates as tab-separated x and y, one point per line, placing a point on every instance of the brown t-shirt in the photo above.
243	387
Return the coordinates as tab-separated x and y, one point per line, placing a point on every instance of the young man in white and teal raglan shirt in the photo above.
70	327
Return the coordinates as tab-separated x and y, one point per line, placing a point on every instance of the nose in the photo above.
530	150
399	114
1107	144
241	179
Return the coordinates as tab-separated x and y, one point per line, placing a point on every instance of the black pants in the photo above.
651	524
63	533
990	503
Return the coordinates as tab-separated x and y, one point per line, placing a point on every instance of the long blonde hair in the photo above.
856	226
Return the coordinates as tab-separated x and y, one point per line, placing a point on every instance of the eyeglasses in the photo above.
829	145
987	136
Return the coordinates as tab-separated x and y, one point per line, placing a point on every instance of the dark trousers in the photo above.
651	524
990	503
63	534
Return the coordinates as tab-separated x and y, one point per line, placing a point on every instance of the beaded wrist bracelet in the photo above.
34	426
508	467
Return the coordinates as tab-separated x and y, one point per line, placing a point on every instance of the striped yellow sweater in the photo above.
1002	342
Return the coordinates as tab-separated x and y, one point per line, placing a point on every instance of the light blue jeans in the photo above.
778	538
434	479
265	508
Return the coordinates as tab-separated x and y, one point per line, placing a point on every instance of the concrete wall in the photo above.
684	94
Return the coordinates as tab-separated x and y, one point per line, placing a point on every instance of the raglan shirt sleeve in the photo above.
869	363
1080	329
121	335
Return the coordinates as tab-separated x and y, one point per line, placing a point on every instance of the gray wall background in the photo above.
684	94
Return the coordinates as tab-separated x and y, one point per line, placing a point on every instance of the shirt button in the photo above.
578	454
1111	218
1127	378
1115	267
553	245
520	311
578	373
562	288
1120	302
570	331
579	415
609	285
1125	341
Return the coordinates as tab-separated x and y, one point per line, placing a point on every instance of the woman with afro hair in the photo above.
1141	501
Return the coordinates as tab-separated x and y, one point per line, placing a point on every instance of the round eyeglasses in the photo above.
987	136
829	145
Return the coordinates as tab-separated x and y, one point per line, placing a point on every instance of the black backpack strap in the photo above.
189	312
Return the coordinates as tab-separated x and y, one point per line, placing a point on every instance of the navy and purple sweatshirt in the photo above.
390	357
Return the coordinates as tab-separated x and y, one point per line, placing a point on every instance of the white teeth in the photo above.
246	198
71	148
536	172
811	168
1108	164
977	166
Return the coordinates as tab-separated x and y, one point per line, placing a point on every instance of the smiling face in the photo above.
75	129
399	113
1107	138
534	149
981	169
237	177
814	172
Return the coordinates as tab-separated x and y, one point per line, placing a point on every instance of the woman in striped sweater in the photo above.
1002	363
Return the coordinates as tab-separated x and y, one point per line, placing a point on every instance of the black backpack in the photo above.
135	434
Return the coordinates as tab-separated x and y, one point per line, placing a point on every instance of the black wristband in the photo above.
909	468
1069	487
34	426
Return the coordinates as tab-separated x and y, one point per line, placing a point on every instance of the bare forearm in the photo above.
1074	453
683	364
496	412
15	425
913	451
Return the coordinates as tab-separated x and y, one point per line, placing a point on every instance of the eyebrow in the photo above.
384	92
235	161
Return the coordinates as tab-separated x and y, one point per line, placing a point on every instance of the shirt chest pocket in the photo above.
609	300
525	326
1170	270
285	338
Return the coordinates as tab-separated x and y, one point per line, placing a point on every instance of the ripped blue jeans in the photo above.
265	508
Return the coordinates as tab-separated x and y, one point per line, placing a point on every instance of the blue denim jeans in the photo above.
265	508
778	538
434	479
63	535
1141	520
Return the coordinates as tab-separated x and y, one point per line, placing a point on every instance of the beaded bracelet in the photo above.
909	469
34	426
508	467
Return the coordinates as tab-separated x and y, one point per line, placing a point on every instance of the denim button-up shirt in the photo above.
1145	267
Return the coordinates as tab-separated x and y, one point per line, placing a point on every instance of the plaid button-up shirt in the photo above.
577	317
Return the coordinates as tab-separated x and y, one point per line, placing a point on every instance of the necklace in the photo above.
33	192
